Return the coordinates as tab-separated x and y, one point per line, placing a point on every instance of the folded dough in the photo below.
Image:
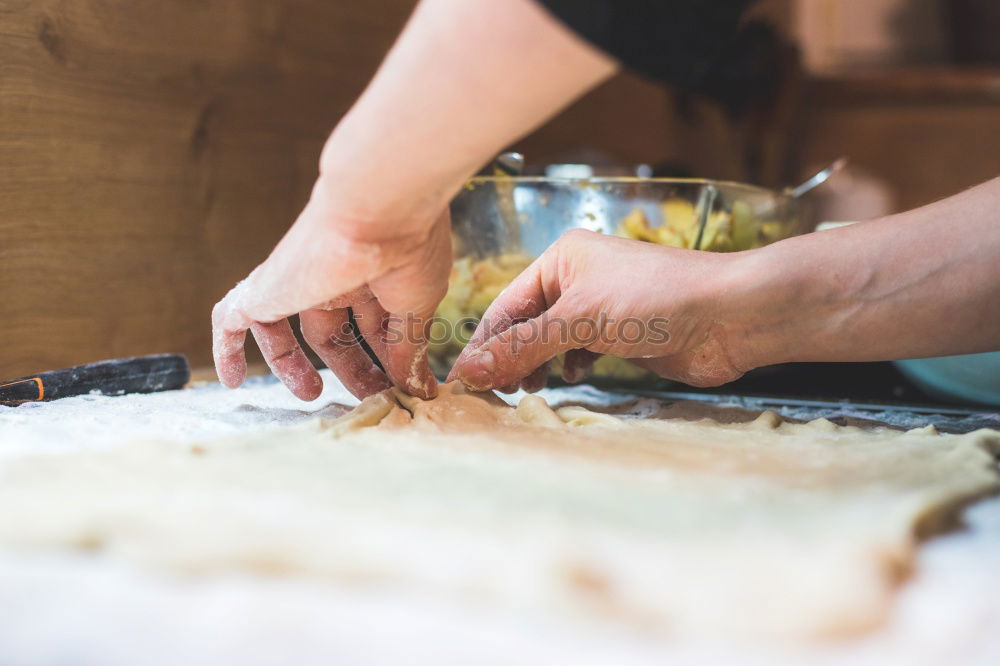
756	530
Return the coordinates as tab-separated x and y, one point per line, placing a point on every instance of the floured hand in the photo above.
331	264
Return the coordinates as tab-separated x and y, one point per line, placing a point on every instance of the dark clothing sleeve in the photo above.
680	42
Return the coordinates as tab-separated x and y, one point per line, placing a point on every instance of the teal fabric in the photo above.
967	378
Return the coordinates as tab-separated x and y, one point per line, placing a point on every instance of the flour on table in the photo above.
760	530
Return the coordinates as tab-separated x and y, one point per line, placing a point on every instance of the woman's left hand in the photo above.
666	310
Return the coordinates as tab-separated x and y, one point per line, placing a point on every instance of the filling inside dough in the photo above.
761	529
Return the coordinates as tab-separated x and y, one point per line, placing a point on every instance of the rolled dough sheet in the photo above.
763	530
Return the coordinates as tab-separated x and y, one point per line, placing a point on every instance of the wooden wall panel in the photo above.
923	149
152	152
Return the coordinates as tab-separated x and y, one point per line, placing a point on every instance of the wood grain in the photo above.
151	153
927	133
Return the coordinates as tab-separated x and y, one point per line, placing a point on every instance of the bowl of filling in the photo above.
500	224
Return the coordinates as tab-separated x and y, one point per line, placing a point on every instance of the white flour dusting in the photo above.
84	609
98	421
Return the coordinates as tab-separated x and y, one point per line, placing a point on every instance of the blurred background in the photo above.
152	152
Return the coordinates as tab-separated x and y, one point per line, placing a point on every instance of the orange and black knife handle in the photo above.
141	374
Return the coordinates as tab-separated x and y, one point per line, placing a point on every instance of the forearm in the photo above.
921	283
466	78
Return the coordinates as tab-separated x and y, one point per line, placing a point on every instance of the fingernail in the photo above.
477	371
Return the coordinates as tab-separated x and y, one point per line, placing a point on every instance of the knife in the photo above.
140	374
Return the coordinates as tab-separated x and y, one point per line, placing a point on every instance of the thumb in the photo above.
515	353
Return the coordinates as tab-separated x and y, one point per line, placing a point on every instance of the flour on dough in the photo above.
759	530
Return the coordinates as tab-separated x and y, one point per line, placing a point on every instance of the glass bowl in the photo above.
500	224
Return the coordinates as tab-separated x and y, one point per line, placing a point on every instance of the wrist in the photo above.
800	299
384	185
776	309
373	199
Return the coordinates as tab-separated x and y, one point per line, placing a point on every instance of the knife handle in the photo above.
141	374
